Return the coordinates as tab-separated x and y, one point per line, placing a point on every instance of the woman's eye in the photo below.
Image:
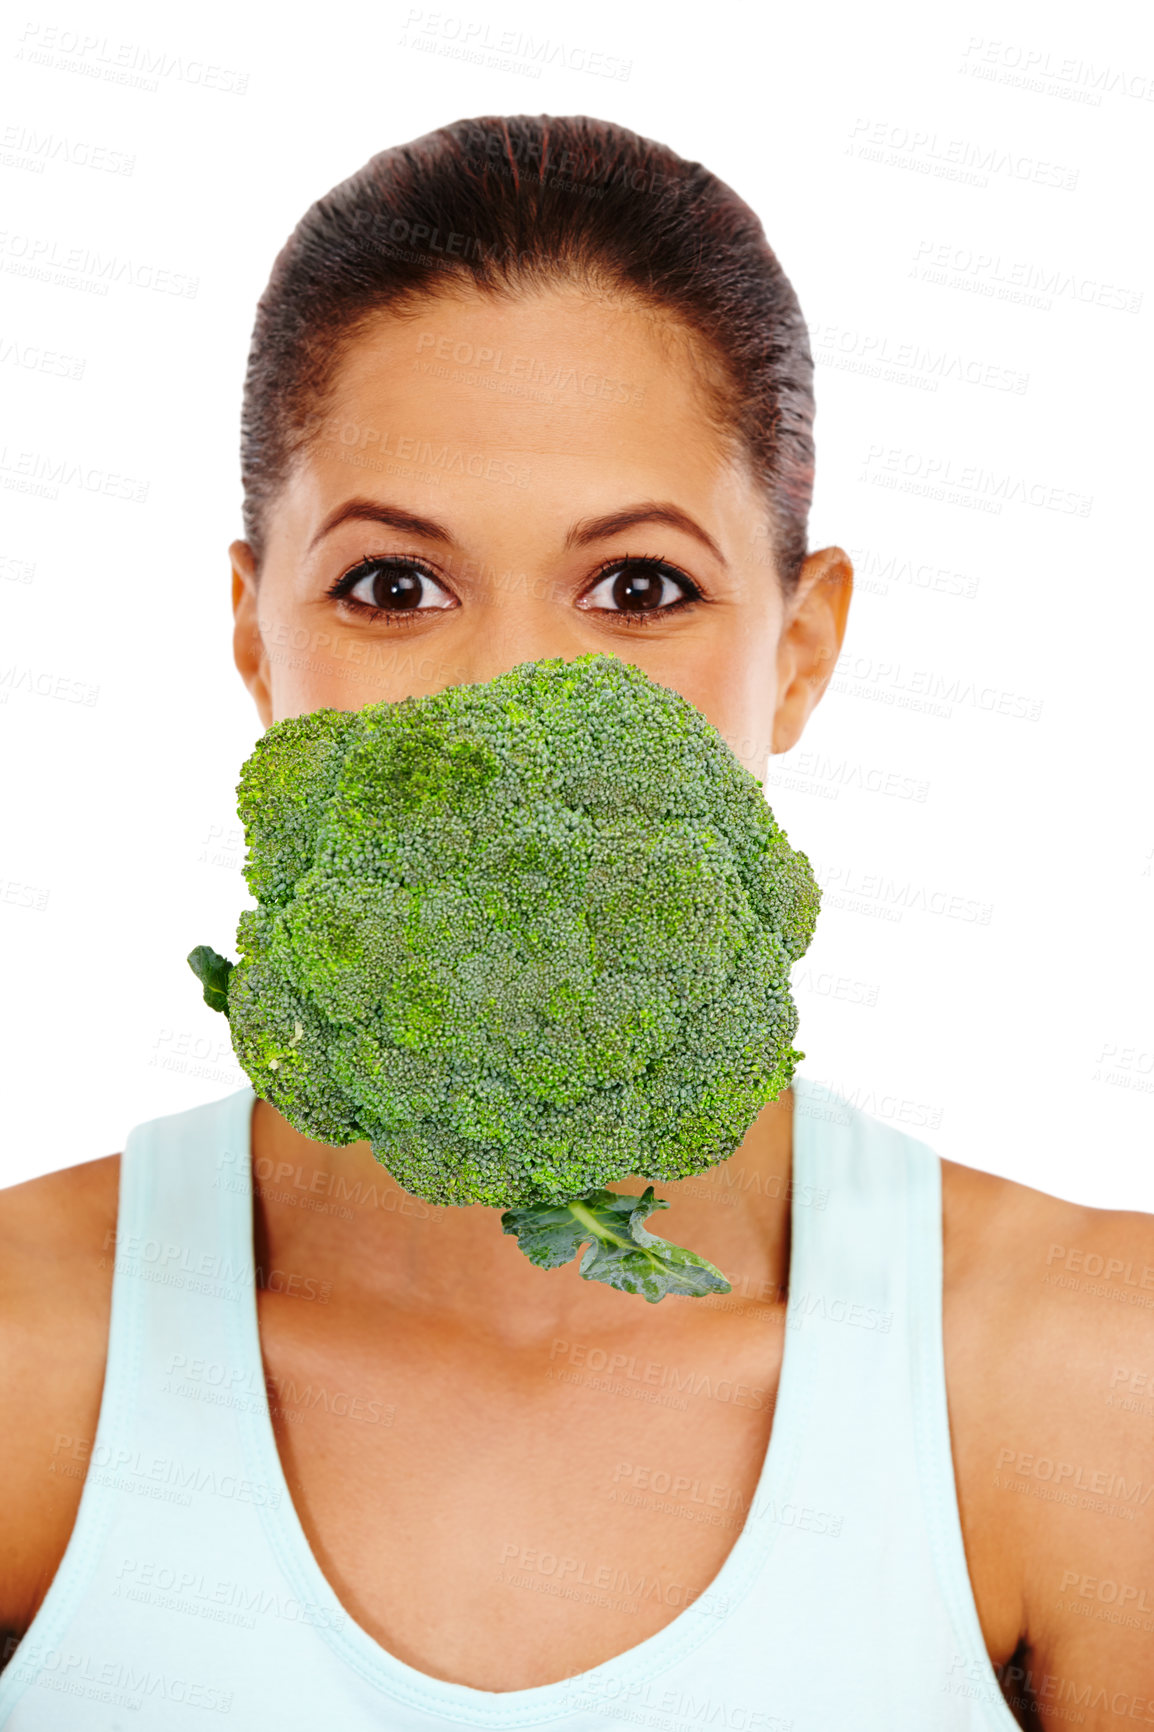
391	586
639	586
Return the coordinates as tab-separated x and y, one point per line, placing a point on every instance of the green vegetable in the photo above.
623	1253
212	971
526	937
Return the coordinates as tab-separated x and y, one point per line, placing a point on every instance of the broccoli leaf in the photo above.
212	970
622	1253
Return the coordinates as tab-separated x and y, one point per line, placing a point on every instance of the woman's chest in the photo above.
507	1519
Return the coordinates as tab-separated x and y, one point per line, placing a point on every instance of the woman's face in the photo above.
497	481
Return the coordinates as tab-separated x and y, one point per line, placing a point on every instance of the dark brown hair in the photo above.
506	203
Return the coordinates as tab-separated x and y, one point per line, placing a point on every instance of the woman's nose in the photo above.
507	642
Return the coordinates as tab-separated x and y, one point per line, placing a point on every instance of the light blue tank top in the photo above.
189	1596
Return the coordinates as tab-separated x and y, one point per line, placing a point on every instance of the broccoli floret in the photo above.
525	937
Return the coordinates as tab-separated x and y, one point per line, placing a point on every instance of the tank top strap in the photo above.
163	1474
181	1271
864	1301
865	1195
867	1233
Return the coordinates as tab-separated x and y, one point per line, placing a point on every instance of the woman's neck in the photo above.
336	1216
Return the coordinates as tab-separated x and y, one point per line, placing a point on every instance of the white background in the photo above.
958	197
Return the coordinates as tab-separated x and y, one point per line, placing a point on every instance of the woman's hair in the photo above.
503	204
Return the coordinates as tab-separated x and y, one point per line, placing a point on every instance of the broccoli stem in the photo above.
605	1234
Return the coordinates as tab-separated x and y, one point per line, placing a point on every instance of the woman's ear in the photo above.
248	649
810	641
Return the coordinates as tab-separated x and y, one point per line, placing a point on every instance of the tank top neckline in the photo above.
692	1627
187	1510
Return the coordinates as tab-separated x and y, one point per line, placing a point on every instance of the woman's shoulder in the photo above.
1005	1242
57	1250
61	1200
57	1243
1049	1336
1048	1299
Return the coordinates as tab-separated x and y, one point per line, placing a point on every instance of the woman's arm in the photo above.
1050	1369
57	1248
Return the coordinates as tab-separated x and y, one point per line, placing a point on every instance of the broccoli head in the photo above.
525	937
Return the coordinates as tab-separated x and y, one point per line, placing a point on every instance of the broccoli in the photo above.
525	937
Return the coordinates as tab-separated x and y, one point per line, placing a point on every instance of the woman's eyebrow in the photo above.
392	516
594	528
580	535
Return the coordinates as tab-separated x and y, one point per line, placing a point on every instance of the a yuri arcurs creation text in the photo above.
525	937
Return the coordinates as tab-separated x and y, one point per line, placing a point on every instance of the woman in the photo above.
533	388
